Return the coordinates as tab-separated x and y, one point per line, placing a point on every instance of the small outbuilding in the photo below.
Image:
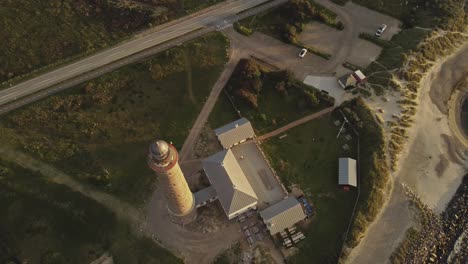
347	172
352	79
233	189
235	133
282	215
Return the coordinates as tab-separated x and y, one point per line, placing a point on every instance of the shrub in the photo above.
243	29
248	97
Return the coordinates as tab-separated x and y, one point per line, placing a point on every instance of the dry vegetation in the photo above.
439	43
89	131
37	35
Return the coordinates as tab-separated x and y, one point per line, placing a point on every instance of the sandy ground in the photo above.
386	107
455	110
434	140
431	141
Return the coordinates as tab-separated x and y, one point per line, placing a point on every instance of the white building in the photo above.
347	172
232	187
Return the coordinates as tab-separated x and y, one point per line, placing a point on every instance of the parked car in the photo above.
302	53
380	30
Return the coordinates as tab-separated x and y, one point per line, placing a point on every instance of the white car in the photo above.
302	53
381	29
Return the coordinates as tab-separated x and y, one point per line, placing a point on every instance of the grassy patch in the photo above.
38	35
99	131
43	222
308	156
292	14
376	40
373	169
411	12
230	256
270	99
392	55
243	29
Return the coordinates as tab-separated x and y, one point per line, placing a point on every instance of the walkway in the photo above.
296	123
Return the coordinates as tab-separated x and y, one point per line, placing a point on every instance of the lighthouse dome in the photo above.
159	150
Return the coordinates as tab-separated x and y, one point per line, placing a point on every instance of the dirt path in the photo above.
197	127
122	209
192	246
296	123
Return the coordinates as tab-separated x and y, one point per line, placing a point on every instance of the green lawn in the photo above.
38	35
308	156
43	222
99	131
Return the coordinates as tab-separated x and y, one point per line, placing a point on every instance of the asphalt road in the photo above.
220	17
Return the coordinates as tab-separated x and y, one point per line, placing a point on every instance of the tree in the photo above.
281	88
311	97
248	97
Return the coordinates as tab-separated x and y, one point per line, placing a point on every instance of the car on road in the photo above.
380	30
302	53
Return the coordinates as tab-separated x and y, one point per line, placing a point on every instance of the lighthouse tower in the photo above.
163	159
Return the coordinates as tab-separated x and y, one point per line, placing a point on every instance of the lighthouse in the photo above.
163	159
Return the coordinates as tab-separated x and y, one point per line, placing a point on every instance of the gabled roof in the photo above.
360	76
347	172
205	195
282	215
226	176
234	132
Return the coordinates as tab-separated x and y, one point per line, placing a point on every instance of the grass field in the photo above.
43	222
36	34
308	156
100	130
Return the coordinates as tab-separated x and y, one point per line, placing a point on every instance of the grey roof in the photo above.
234	132
282	215
226	176
347	172
204	195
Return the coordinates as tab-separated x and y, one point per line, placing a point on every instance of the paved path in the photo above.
212	18
296	123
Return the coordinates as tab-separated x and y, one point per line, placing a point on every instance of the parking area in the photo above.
367	21
258	172
364	20
330	85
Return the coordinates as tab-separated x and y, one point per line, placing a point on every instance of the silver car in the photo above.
380	30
